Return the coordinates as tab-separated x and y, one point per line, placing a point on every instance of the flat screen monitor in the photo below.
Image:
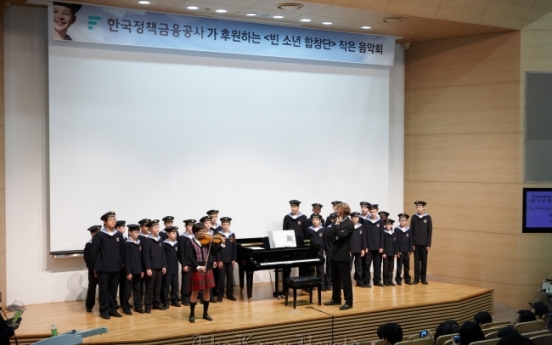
537	210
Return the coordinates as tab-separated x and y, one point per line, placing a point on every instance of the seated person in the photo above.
470	332
514	339
444	328
392	333
482	318
505	331
525	316
540	309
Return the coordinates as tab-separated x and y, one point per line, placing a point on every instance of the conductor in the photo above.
340	235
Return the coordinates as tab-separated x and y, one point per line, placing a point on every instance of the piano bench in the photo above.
309	283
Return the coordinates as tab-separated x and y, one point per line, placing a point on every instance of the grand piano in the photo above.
253	255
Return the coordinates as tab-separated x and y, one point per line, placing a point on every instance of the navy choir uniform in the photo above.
143	236
92	280
217	291
358	244
421	227
215	227
227	255
154	260
404	241
144	223
309	220
6	331
123	296
329	218
170	278
134	266
340	234
363	218
297	223
384	215
106	256
185	281
328	250
317	236
374	237
167	219
390	249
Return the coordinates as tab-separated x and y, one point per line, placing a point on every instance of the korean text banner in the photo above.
94	24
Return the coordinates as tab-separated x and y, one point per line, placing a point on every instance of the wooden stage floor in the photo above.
267	319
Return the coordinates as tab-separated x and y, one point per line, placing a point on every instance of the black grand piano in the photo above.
253	256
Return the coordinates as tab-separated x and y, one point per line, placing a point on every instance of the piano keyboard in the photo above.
291	262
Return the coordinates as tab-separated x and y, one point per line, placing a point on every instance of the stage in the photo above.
266	320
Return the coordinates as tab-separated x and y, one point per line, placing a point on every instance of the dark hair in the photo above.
198	227
470	332
526	315
549	321
505	331
540	309
514	339
444	328
379	332
392	332
483	317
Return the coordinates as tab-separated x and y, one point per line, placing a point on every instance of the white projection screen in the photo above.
149	133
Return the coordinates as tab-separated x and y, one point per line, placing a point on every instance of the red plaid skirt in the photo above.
202	280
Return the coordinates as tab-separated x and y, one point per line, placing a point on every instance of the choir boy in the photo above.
120	226
390	251
316	235
316	209
357	247
134	270
384	215
328	250
215	227
364	212
228	258
373	228
155	265
172	258
187	235
422	228
295	220
107	259
167	221
144	229
404	241
92	280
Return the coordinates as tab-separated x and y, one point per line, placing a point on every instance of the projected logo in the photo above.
93	21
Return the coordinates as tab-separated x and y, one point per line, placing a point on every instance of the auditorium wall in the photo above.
464	156
2	166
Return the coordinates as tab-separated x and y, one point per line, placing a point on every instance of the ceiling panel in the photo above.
467	11
420	8
371	5
507	13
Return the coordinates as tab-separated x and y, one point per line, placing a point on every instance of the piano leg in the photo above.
241	276
249	285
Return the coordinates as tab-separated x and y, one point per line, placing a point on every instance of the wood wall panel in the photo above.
3	275
480	108
489	158
463	61
450	204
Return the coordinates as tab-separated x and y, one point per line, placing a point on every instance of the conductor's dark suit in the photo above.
340	235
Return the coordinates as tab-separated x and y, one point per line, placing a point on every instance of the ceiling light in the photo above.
251	14
144	2
221	11
290	6
278	17
394	19
327	23
306	20
366	27
193	8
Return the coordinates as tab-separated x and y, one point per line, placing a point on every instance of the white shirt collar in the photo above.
421	216
172	243
296	216
403	230
315	229
155	238
358	225
104	230
374	221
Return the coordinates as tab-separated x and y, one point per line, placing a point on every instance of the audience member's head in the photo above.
444	328
505	331
548	321
525	316
470	332
540	309
392	333
514	339
379	332
482	318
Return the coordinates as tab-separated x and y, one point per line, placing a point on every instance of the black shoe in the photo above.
127	312
160	307
139	311
115	313
148	310
346	306
379	284
88	310
130	306
333	302
359	284
106	317
213	300
207	317
415	282
386	285
232	298
176	304
329	288
191	319
424	282
166	305
186	303
391	284
399	284
219	299
369	286
408	283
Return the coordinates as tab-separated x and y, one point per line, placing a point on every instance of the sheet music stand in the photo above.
72	338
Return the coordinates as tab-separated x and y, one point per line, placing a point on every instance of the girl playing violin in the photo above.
201	252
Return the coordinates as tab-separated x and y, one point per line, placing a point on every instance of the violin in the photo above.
211	239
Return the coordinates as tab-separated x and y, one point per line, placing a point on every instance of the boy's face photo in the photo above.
364	210
93	233
155	229
388	226
134	234
384	217
225	226
316	209
189	227
294	209
402	221
169	223
172	235
207	225
355	220
316	222
110	222
420	209
373	213
214	219
121	229
63	19
144	229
